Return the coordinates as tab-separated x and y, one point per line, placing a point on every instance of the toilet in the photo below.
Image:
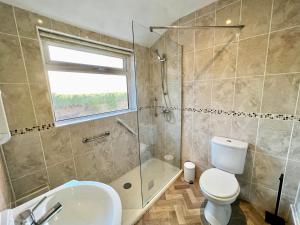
219	185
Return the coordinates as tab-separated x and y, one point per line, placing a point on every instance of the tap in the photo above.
48	215
27	217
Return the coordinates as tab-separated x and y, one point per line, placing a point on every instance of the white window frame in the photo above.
89	46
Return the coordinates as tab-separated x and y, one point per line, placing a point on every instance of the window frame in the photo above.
96	48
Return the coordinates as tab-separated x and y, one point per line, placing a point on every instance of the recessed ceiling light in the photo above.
40	21
228	21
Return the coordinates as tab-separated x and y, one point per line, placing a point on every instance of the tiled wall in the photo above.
167	138
47	157
248	78
5	189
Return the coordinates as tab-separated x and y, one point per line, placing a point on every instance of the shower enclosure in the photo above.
158	83
156	127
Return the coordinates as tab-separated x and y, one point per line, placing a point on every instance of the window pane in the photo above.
74	56
81	94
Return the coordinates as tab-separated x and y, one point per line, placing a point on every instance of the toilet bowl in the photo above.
221	189
219	185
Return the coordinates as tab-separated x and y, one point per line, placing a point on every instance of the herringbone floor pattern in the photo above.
183	204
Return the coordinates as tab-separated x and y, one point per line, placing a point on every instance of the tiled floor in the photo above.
183	204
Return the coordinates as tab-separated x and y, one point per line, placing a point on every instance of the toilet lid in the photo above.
219	183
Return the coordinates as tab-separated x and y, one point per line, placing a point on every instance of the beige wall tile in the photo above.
245	129
263	198
295	143
256	15
125	159
61	173
12	68
204	38
266	169
187	94
6	196
206	10
65	28
33	60
283	54
222	94
247	173
7	19
57	145
229	13
27	22
284	206
28	184
86	167
187	37
18	105
245	190
285	14
78	132
172	44
276	98
42	103
248	92
247	63
187	123
201	143
203	64
174	91
104	158
274	137
24	155
202	94
188	67
224	61
220	125
172	69
187	18
292	177
222	3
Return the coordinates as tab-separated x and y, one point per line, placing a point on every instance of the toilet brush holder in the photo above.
273	218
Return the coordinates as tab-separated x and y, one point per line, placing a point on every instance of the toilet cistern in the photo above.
219	185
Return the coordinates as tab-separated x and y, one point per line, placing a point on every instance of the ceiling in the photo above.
114	17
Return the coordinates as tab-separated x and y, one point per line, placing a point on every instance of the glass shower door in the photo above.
158	76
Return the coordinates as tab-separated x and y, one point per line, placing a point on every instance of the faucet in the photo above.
27	217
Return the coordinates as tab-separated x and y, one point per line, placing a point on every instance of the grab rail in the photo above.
105	134
121	122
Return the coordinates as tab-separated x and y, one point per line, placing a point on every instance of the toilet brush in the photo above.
272	218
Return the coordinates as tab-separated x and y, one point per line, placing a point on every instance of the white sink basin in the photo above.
83	203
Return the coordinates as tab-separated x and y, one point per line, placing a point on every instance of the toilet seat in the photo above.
219	184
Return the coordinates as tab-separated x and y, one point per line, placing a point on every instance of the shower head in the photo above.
160	58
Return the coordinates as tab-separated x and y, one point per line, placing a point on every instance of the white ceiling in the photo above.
113	17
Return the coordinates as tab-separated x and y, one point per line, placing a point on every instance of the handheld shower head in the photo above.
160	58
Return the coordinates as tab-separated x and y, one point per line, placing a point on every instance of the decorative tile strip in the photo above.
31	129
271	116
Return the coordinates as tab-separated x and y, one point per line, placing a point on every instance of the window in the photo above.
87	80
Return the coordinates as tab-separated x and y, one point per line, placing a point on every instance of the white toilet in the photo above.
219	185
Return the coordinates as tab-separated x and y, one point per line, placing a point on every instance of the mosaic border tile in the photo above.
272	116
232	113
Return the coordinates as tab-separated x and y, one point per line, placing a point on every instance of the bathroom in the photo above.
110	100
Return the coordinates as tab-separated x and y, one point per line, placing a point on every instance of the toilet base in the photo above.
217	214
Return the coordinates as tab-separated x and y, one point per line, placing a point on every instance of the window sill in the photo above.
92	117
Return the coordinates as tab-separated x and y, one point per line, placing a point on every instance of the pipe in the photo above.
195	27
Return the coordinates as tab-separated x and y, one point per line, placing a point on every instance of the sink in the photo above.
84	203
